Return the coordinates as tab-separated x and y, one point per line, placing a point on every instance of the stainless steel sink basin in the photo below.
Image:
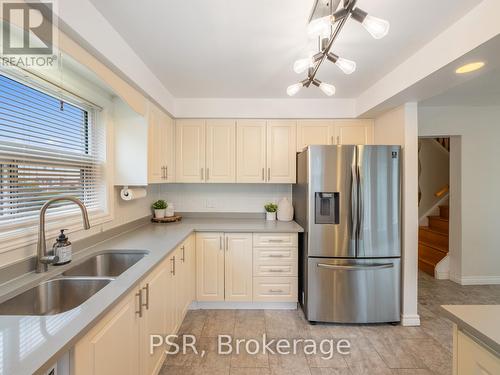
53	296
108	264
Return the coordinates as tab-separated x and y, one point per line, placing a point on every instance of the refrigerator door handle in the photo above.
359	213
364	267
354	203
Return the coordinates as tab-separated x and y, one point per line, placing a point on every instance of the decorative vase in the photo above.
160	214
170	210
271	216
285	210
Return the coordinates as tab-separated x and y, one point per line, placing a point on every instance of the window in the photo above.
49	146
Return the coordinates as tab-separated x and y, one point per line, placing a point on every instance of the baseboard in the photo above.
442	275
410	320
480	280
218	305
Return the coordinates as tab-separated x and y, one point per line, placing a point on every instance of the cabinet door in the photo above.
209	267
238	267
190	270
221	151
112	346
251	151
281	151
190	150
154	319
170	296
168	149
354	132
473	358
156	140
314	132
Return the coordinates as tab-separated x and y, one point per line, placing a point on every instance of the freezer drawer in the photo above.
353	291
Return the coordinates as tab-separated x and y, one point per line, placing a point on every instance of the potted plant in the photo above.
160	208
271	209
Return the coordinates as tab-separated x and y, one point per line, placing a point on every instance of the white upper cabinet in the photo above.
220	151
281	151
251	151
190	150
161	165
354	132
315	132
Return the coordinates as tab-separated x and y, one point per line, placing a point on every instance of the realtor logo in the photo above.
28	34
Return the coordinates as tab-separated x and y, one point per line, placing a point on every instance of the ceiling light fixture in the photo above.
320	27
469	68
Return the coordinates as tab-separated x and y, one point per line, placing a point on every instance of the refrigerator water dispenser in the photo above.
327	208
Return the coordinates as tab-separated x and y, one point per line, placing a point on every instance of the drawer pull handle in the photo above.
276	256
276	290
276	241
275	270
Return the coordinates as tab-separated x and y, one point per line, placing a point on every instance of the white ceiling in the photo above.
246	49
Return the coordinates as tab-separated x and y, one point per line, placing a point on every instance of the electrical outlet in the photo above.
210	203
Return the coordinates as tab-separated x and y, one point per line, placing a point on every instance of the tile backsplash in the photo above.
223	197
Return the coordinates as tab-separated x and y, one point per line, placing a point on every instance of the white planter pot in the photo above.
160	214
271	216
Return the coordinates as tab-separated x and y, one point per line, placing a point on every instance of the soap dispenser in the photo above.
62	249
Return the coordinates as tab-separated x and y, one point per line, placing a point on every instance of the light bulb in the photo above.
293	89
347	66
302	65
319	26
377	27
327	88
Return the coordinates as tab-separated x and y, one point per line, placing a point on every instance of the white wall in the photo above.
224	197
479	128
399	127
435	173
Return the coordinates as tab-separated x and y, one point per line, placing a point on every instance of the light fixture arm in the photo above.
334	36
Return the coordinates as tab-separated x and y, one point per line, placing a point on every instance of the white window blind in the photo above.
49	147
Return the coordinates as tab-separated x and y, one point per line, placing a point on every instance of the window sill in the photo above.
26	235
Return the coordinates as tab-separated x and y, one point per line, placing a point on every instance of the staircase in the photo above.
433	241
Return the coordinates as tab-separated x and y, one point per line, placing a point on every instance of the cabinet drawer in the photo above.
275	269
274	254
275	239
275	289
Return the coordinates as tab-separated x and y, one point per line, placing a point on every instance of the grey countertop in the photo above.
29	344
479	321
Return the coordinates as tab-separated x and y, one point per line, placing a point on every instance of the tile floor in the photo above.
375	349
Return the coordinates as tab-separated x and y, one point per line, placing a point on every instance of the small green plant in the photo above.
271	207
160	205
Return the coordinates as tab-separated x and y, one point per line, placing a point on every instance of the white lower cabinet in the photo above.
471	358
119	342
224	266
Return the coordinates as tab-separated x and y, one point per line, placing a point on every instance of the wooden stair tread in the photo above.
434	246
431	230
440	218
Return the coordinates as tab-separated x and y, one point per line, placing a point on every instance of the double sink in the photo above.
72	287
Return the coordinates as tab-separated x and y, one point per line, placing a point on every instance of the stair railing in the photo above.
444	190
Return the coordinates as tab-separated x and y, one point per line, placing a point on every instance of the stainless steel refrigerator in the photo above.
347	199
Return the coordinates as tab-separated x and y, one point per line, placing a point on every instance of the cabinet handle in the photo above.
268	174
332	141
220	242
227	243
201	173
276	290
166	172
172	271
146	289
208	173
275	270
162	172
276	256
276	241
183	254
139	294
263	175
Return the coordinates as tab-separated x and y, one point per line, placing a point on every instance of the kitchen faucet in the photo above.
43	260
